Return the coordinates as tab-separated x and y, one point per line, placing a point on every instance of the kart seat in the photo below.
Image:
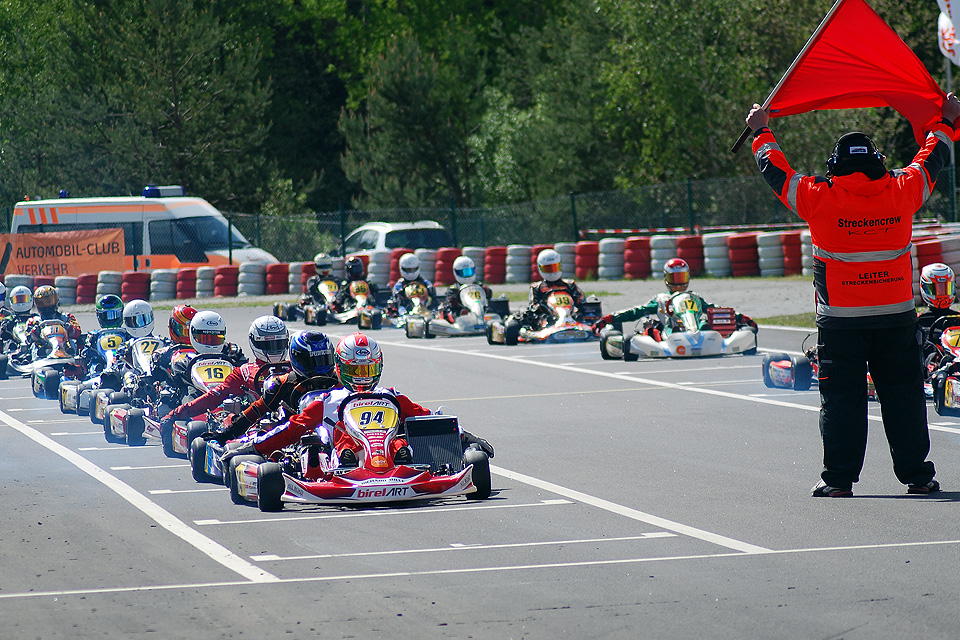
435	441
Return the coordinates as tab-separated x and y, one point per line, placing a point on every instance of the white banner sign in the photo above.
948	38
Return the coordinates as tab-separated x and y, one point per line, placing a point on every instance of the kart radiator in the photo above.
435	441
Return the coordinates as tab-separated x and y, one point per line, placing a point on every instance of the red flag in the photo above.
855	60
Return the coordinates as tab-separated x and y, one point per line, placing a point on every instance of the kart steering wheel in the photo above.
267	370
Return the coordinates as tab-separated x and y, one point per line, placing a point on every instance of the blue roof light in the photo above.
166	191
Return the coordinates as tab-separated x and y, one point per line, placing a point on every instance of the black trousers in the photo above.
895	360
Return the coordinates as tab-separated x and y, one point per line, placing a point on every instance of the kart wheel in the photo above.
603	346
118	397
480	474
166	439
234	483
406	330
277	310
270	487
321	317
194	430
802	373
768	359
939	398
107	431
60	402
135	426
198	457
628	356
376	320
511	332
489	331
3	366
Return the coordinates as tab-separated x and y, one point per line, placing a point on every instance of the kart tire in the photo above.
802	373
166	439
406	330
194	429
511	332
629	356
939	400
231	472
4	358
119	397
198	456
489	331
321	317
135	426
426	330
603	346
768	359
376	321
107	431
480	473
277	310
51	384
270	487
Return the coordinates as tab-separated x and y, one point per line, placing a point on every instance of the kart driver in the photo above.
47	301
313	295
355	271
109	310
409	265
311	369
937	288
538	314
269	340
20	302
179	328
465	273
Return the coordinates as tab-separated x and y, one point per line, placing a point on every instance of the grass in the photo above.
805	320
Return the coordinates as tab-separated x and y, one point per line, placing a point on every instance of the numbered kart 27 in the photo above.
54	353
477	313
690	338
106	368
302	473
560	324
119	404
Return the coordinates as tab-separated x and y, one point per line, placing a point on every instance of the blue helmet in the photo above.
311	354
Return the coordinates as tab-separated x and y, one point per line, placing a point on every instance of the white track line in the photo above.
155	512
155	466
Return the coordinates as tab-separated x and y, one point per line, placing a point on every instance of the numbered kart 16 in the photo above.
311	311
689	338
477	313
106	368
54	353
303	473
560	325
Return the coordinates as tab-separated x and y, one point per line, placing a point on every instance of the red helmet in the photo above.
676	274
937	285
180	318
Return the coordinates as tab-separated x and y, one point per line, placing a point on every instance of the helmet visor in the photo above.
210	338
466	272
550	268
138	320
356	370
21	298
942	289
110	315
677	277
272	345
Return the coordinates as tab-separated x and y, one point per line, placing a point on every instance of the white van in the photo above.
162	229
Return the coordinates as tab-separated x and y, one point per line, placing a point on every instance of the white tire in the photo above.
425	255
611	260
664	242
17	280
246	277
519	261
69	282
253	267
519	250
109	277
771	263
208	273
612	245
250	289
163	275
770	251
770	239
715	239
610	273
771	273
713	264
806	262
104	288
716	251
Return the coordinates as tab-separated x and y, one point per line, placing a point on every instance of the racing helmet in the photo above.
179	324
47	301
359	362
3	295
354	268
409	265
937	285
464	270
676	274
138	318
548	264
311	354
324	264
109	311
208	332
269	339
20	299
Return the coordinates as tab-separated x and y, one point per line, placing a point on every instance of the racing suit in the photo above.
345	300
7	325
240	381
451	307
861	230
313	295
398	297
538	314
33	331
90	359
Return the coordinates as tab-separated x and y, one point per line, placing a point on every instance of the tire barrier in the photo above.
39	281
770	254
806	253
479	257
206	278
67	288
928	251
587	259
690	249
135	286
109	282
610	258
534	253
662	248
186	283
307	271
276	278
163	284
518	263
744	260
716	255
568	259
86	288
792	253
225	282
495	265
378	268
636	258
395	263
428	263
252	279
294	272
443	267
12	280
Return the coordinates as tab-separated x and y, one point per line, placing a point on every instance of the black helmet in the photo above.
856	152
354	268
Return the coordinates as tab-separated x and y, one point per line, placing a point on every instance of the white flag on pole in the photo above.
948	37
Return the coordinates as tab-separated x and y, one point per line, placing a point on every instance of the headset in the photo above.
844	142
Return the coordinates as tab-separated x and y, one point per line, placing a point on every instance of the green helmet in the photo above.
110	311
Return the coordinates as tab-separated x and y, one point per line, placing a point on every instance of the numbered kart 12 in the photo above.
54	353
477	313
558	325
720	335
303	474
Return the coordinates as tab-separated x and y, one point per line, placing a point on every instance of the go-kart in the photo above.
416	312
944	368
783	371
305	474
477	313
692	334
311	311
106	367
558	324
16	351
51	355
363	312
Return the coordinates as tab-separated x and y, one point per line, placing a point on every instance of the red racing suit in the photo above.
238	382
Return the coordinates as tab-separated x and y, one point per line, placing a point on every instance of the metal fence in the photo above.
690	205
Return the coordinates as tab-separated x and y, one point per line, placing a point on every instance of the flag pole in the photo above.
953	159
793	65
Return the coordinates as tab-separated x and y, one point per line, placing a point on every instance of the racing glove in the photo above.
602	322
237	449
467	439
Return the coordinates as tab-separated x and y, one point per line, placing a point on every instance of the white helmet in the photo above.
464	270
409	266
21	299
548	264
138	318
269	339
323	263
208	332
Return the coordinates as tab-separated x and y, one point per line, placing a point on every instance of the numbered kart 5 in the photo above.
559	324
302	474
690	338
477	313
107	344
54	352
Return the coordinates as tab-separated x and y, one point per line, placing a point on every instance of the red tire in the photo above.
742	241
744	255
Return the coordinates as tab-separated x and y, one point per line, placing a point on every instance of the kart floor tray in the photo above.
435	441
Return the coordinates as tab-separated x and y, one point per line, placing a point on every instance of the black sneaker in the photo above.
823	490
403	456
931	487
348	458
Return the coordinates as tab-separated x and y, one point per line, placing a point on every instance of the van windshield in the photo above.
418	238
204	233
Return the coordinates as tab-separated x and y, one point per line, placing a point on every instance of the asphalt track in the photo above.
653	499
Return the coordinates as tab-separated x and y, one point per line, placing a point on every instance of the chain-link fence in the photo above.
690	205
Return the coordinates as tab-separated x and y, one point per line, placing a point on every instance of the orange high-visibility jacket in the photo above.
861	228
